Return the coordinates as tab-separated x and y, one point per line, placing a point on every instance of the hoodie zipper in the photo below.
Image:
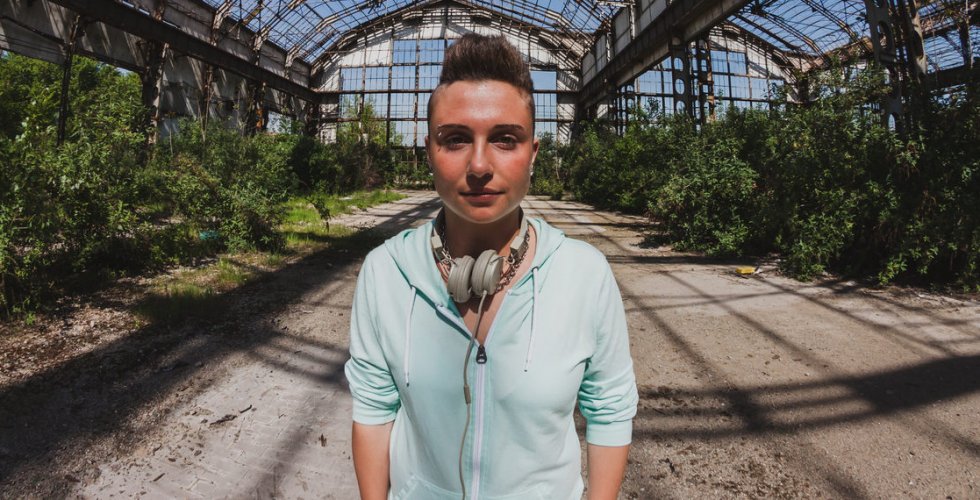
480	397
480	392
481	360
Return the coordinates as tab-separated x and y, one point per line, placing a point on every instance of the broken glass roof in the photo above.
801	28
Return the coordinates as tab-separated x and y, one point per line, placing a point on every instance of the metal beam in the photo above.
139	24
950	77
685	18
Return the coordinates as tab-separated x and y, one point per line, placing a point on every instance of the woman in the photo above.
464	380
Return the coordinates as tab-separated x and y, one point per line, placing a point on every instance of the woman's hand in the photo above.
370	450
607	466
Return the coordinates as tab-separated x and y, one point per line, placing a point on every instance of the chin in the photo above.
480	213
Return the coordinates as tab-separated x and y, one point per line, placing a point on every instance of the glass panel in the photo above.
544	80
349	103
403	77
403	133
351	78
429	76
719	61
421	130
379	104
649	82
402	105
376	78
545	106
759	88
541	128
431	51
423	105
403	52
736	63
722	85
740	87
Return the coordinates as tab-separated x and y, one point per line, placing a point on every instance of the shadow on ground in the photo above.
50	422
724	408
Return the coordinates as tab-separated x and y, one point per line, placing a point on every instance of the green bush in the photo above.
549	175
227	184
825	185
932	227
705	204
94	206
70	208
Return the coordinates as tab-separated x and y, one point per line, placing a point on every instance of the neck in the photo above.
467	238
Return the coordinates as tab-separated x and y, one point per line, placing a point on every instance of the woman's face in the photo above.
481	147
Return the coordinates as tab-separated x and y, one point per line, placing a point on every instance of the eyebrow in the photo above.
507	126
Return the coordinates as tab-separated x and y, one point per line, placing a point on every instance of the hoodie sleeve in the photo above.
372	387
608	396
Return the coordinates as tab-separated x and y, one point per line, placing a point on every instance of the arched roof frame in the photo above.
564	48
309	27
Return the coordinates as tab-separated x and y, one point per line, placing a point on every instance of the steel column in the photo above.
706	84
884	43
69	49
897	39
255	120
680	70
151	81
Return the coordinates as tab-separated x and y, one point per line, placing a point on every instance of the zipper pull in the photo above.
481	355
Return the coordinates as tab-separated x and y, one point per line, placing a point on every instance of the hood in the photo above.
412	252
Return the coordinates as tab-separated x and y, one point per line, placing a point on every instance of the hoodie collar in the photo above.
412	252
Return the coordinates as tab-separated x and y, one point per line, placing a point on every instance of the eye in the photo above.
506	141
455	141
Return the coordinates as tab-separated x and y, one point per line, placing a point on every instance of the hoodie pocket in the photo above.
417	488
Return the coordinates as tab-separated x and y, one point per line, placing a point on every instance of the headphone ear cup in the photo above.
486	272
459	278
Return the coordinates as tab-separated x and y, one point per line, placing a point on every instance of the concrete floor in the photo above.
750	387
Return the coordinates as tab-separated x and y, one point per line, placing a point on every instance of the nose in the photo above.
480	165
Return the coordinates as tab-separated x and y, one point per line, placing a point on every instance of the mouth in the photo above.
483	197
481	193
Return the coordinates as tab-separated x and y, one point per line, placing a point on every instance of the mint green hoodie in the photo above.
559	337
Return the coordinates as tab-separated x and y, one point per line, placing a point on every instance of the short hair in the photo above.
479	58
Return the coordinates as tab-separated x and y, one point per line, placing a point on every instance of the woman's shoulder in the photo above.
405	257
582	249
581	254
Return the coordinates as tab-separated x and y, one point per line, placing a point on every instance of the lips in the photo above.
482	197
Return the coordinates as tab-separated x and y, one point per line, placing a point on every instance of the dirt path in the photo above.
750	387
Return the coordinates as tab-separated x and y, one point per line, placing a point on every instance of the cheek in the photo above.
448	166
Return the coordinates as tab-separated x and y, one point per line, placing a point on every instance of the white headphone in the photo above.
469	276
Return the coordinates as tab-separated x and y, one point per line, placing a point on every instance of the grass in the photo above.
176	301
194	292
332	205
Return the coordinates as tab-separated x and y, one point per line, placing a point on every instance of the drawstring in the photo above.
408	333
534	308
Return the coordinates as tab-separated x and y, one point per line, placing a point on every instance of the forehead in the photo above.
477	103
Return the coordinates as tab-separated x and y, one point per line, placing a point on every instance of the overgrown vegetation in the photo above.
824	185
97	206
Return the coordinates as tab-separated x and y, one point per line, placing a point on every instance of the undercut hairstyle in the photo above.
477	58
